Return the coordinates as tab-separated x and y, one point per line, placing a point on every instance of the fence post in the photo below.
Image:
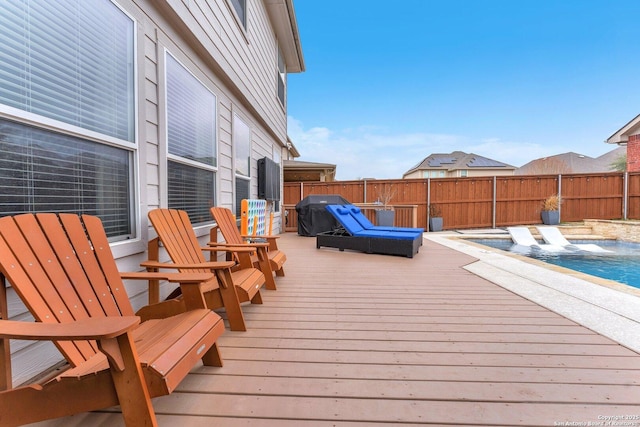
365	191
560	197
428	201
625	191
494	202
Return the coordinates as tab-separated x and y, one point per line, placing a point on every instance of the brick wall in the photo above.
633	153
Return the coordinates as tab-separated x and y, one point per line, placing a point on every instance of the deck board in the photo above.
353	339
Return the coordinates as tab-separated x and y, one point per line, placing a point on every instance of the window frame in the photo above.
122	245
243	20
281	78
276	154
236	118
184	161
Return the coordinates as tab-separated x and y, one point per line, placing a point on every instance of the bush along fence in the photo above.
485	202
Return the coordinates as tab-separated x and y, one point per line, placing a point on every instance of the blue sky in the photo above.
389	83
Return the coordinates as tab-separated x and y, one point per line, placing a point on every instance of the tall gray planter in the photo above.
385	218
550	217
435	223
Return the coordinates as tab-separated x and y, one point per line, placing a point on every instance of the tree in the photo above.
620	163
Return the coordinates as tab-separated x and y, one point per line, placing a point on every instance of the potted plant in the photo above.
386	216
435	218
550	211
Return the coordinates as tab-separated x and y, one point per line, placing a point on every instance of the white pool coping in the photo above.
603	306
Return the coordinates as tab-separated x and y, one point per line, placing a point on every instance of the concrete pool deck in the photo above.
604	306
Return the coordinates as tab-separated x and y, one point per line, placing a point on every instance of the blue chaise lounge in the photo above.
357	214
354	236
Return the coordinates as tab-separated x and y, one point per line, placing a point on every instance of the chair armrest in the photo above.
220	248
170	277
271	240
232	245
266	237
211	265
94	328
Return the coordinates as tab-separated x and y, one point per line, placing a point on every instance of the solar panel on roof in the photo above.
483	162
439	161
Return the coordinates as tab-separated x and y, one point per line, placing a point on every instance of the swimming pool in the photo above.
621	265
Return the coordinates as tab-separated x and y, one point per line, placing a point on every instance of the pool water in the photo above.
621	265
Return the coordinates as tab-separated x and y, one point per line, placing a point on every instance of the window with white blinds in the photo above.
191	189
242	146
67	62
241	137
242	192
43	171
191	133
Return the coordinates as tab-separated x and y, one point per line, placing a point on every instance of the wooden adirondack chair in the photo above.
227	224
62	268
231	288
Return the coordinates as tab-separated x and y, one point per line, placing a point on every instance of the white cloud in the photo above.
512	153
374	152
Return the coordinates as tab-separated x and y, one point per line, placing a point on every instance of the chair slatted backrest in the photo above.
176	233
227	224
62	268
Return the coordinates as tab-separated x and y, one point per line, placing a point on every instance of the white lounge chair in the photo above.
526	243
553	236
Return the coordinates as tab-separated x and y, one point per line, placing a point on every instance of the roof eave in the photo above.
283	18
622	135
292	148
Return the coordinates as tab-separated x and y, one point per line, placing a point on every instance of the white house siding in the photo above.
414	174
456	173
494	172
238	66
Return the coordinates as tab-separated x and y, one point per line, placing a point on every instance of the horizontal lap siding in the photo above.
238	66
239	70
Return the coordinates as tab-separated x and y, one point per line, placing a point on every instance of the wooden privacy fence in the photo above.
485	202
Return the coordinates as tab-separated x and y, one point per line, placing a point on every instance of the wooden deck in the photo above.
351	339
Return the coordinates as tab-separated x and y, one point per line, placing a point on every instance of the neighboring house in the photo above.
296	171
458	164
629	135
116	107
571	163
